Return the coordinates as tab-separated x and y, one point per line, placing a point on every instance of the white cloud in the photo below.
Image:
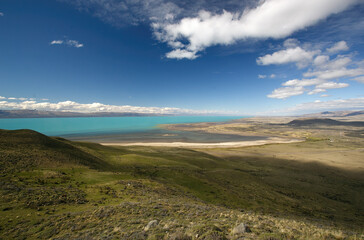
319	106
321	60
338	47
14	98
359	79
267	20
316	90
339	104
71	43
291	43
71	106
57	42
327	85
322	69
324	95
335	73
295	55
261	76
331	85
303	82
180	54
285	92
74	43
1	14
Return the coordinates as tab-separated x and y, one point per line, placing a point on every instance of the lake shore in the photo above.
272	140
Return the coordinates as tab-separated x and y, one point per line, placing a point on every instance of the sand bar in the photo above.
208	145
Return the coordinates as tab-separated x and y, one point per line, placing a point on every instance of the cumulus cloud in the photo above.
319	106
338	47
267	20
71	106
1	97
285	92
331	85
295	55
193	25
1	14
323	72
71	43
335	73
303	82
260	76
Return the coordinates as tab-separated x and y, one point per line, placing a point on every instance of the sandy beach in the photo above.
207	145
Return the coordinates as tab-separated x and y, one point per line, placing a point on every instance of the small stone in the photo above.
151	224
241	228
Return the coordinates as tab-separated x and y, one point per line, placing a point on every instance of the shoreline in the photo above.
272	140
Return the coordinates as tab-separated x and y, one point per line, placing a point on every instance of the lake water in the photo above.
94	126
125	129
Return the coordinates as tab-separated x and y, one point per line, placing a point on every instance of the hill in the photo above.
323	121
58	189
27	149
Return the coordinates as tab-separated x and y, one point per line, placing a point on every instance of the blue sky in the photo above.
185	57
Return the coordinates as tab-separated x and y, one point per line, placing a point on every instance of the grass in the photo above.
54	188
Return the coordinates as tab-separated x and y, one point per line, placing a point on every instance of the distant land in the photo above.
324	121
58	114
335	114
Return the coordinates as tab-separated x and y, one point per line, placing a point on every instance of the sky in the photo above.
246	57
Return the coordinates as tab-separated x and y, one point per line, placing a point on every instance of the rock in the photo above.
151	224
241	228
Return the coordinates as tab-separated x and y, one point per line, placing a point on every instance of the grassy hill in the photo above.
54	188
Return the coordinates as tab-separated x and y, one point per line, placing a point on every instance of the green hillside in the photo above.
54	188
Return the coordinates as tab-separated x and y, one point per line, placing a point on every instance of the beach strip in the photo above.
207	145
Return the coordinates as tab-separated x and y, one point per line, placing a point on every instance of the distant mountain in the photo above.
57	114
355	113
334	114
323	121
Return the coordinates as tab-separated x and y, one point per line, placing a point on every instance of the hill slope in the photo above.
26	149
53	188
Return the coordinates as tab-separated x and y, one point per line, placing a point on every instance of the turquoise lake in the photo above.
102	125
